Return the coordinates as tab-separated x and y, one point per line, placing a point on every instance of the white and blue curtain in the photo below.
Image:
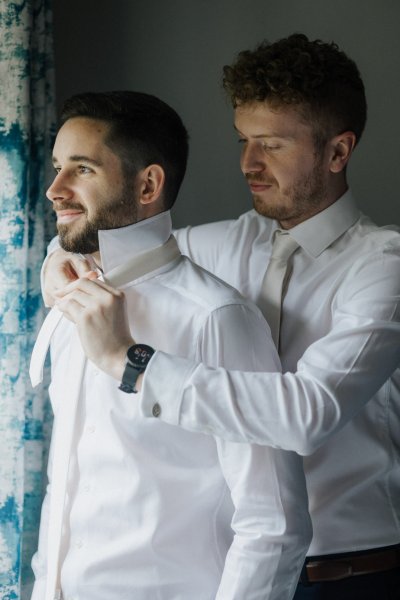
26	136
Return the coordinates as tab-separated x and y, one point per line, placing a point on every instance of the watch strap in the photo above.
137	359
129	378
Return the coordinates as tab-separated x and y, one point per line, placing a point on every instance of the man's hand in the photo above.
99	312
60	269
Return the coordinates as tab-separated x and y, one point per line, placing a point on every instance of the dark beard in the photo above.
84	242
113	216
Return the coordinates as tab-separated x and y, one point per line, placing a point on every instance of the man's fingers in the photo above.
60	268
90	285
84	300
71	309
92	275
66	273
80	265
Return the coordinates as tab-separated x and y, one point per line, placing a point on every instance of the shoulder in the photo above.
203	243
219	232
201	230
369	242
366	230
203	289
208	244
371	261
226	324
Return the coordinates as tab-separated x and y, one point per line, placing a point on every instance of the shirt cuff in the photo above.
162	389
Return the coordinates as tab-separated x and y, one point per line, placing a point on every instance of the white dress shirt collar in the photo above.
320	231
127	253
116	245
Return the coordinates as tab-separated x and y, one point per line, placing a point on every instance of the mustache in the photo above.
67	205
258	178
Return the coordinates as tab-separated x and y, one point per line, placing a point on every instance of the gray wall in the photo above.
175	49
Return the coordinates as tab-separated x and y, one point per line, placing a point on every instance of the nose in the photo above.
59	190
252	159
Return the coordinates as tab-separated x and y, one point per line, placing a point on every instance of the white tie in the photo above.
276	280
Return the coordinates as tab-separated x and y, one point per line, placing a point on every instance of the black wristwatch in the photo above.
137	359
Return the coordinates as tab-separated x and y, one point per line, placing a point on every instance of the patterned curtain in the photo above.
26	136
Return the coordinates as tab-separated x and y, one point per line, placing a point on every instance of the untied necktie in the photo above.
276	280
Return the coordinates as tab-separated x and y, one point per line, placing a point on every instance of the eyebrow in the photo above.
265	135
81	158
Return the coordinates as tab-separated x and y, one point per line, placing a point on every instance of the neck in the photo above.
335	192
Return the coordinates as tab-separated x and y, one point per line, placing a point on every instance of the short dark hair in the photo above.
314	76
143	130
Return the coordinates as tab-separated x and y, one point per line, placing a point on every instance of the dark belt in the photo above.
338	567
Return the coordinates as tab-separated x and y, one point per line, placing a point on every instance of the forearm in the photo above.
336	376
294	411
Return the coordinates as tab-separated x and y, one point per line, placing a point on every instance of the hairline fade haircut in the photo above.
143	130
314	77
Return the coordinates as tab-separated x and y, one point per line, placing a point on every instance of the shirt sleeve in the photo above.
271	524
337	375
203	243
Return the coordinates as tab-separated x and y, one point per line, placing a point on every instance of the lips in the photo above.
258	183
67	211
256	187
68	215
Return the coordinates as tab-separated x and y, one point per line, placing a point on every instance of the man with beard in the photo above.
300	109
136	508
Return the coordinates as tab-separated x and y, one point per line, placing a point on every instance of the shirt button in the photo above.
91	428
79	544
156	410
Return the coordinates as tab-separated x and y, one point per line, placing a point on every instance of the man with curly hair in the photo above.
299	111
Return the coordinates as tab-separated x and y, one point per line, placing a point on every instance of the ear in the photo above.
341	148
151	184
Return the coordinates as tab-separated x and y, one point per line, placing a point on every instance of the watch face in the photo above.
139	355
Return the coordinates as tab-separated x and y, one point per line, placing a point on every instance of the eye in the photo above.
242	141
270	146
84	170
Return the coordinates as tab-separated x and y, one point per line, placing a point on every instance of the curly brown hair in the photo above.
314	76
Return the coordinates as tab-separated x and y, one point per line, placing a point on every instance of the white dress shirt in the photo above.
154	512
340	352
